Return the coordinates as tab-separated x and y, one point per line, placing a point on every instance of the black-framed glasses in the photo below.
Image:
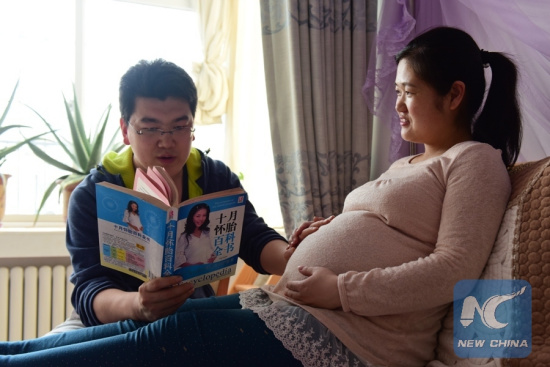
150	132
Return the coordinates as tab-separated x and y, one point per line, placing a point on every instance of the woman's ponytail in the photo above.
499	123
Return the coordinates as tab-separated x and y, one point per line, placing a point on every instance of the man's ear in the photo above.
457	94
124	129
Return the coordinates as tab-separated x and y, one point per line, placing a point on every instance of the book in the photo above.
147	234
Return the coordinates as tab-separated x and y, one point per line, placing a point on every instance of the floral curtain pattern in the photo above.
316	53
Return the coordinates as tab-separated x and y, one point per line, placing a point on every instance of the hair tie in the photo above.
485	55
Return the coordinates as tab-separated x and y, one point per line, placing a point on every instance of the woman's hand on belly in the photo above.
318	289
305	230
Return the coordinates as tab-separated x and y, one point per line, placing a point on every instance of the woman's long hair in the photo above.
190	224
129	207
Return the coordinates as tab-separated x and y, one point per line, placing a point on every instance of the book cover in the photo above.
142	236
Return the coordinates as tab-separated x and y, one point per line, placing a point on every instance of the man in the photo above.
157	102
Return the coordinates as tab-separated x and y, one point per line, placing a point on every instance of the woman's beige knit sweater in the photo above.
399	247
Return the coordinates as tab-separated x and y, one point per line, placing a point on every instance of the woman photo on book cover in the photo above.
194	245
131	216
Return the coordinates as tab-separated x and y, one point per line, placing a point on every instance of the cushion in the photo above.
531	254
521	251
73	322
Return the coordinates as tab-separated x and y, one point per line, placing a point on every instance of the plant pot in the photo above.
3	184
67	191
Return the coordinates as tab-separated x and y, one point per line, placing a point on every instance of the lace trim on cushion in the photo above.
307	339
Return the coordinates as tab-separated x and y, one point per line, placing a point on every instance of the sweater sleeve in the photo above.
477	191
89	276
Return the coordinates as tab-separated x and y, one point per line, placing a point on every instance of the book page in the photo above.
159	181
142	183
171	186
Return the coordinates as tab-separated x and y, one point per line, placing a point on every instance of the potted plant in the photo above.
4	151
83	152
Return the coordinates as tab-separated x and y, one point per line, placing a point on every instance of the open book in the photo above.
147	233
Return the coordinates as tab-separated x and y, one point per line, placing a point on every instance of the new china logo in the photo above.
492	318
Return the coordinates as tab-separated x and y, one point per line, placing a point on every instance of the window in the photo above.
91	43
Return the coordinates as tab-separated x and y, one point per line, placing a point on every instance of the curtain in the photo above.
217	27
248	142
521	30
515	27
231	88
315	57
396	26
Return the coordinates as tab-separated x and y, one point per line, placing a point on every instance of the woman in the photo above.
194	245
131	216
371	286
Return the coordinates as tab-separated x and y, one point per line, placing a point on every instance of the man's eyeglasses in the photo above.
178	131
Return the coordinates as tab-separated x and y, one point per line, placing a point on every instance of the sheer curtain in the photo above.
315	56
217	28
396	26
520	29
515	27
248	142
231	86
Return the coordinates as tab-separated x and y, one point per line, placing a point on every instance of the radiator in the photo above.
33	300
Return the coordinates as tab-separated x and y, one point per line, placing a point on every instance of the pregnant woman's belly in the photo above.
354	241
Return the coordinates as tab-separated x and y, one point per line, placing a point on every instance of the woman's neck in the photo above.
440	147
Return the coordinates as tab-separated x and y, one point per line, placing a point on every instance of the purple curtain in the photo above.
396	27
516	27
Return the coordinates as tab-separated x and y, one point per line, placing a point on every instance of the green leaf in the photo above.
13	148
10	149
59	141
46	158
81	144
96	151
47	194
5	113
6	128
